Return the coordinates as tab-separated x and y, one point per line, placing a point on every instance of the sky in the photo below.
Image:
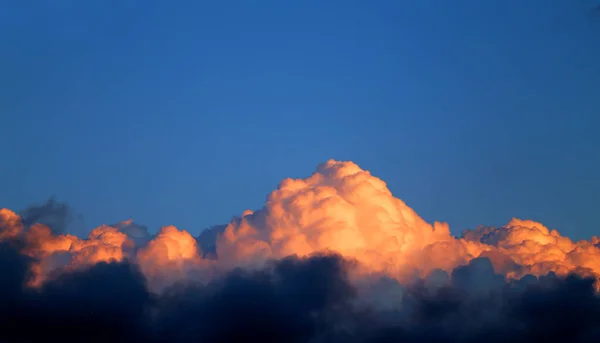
189	112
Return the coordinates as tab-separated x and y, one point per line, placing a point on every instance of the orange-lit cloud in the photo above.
170	257
344	209
340	208
10	224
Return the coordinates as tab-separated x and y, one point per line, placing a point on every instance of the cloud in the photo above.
172	256
104	302
288	301
137	233
294	299
53	214
334	257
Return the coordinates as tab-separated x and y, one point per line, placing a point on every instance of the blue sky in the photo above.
189	112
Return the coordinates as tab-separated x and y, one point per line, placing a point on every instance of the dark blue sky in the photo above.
189	112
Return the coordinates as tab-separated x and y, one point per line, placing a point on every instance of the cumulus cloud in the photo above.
172	256
334	257
346	209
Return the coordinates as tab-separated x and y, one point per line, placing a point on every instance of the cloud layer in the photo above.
333	257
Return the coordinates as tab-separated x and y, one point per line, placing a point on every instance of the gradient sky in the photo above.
189	112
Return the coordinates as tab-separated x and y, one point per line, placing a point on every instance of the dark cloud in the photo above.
292	300
476	305
56	215
137	233
106	302
207	240
13	275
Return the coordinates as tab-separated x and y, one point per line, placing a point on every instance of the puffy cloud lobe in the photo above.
170	257
537	250
10	224
104	244
55	253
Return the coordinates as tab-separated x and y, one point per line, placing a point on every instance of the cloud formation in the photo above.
334	257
